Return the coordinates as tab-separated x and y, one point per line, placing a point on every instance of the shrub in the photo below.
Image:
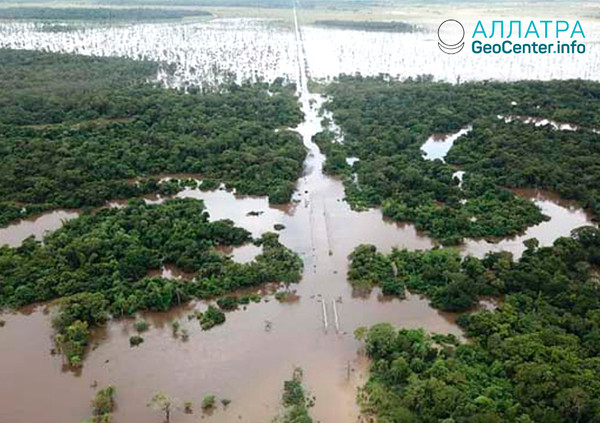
212	317
135	340
208	402
141	326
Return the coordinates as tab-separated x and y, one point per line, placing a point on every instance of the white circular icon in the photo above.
451	34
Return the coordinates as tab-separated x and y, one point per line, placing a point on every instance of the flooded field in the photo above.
246	359
331	52
202	53
207	52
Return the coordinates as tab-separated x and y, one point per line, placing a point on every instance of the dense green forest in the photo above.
76	130
386	122
536	358
96	14
451	282
523	155
98	264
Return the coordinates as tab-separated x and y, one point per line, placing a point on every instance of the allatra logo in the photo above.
451	34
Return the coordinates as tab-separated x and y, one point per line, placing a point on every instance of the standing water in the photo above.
438	145
14	234
247	358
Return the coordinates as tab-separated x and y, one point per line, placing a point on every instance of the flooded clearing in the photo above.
240	360
242	254
438	145
17	232
459	174
169	271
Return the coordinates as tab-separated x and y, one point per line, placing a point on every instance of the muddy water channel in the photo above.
247	358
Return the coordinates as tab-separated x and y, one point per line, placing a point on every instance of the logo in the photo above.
451	34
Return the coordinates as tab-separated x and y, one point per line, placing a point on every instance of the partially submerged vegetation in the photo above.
451	282
76	314
523	155
385	26
211	318
103	405
295	401
79	131
208	402
162	403
533	359
98	265
369	268
136	340
96	14
385	123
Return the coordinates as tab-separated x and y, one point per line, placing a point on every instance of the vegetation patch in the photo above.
211	318
79	131
533	359
141	326
369	268
97	264
522	155
103	404
295	401
135	340
451	282
385	123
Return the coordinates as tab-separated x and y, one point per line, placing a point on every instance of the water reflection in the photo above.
169	271
540	122
242	254
438	145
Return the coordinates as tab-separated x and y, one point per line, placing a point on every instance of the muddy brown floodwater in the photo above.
564	217
15	233
241	360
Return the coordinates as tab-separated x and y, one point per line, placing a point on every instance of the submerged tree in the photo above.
163	403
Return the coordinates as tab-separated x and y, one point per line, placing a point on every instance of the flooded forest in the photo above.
294	212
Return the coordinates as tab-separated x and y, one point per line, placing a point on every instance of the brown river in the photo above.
247	359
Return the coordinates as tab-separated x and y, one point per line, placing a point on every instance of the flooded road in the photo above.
242	360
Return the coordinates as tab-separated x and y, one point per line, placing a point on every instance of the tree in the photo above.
161	402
